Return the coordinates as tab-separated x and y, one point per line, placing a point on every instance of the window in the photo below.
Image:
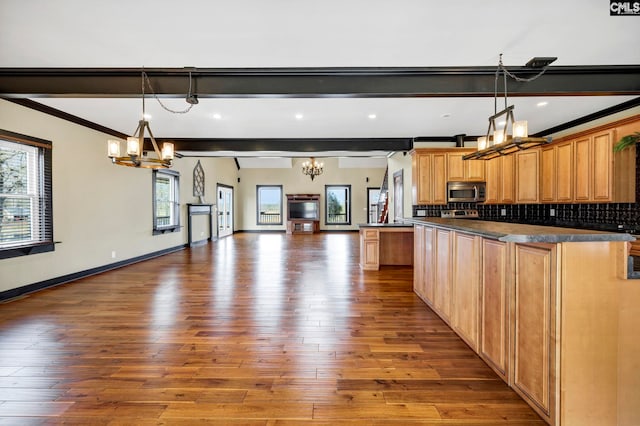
338	204
166	201
269	204
26	217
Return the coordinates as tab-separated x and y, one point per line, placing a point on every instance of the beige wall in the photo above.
398	162
294	182
98	208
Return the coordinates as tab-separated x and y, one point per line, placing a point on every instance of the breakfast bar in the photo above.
385	244
549	309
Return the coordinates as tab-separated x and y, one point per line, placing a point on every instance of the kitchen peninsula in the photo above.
385	244
549	309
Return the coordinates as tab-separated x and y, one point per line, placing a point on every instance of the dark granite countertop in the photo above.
386	225
520	233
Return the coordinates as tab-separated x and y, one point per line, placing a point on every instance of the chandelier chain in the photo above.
166	108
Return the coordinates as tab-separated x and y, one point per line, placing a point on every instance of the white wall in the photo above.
294	182
97	207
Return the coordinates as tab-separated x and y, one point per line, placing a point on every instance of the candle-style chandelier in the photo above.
514	135
135	155
312	168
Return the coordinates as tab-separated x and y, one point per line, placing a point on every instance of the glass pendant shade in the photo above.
133	146
482	143
167	151
113	148
520	129
498	137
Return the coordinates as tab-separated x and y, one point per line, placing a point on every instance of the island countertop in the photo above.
520	233
386	225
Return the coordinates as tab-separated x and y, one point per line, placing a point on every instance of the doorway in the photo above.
398	195
225	210
373	194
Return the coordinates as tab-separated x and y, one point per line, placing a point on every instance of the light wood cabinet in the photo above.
500	175
556	173
464	170
465	287
429	173
526	165
494	309
423	275
534	334
442	273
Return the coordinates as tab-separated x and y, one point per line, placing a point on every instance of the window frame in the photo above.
175	179
258	188
327	188
44	196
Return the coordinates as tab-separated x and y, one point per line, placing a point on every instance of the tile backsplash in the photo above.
623	217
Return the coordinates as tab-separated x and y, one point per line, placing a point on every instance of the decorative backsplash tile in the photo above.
623	217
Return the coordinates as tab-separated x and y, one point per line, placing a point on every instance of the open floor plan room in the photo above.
254	329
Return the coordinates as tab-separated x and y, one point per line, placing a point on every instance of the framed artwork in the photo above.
198	182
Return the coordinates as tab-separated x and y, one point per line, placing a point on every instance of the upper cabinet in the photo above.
429	177
527	171
464	170
433	167
500	176
584	169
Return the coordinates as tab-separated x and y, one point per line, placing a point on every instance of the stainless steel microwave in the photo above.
466	192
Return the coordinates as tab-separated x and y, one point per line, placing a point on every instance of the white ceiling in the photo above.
328	33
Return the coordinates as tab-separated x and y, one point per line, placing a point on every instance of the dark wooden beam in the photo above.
291	145
318	82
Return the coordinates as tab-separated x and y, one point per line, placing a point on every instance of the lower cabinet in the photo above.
465	286
442	273
544	317
494	307
534	321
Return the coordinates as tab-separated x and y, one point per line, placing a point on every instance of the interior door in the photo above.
225	210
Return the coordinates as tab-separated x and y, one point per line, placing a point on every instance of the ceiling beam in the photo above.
292	145
318	82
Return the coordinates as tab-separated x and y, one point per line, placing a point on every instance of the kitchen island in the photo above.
385	244
549	309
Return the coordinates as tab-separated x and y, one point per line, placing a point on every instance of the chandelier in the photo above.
498	140
135	154
312	169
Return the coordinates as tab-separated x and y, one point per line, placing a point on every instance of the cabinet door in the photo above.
418	260
508	179
564	172
455	166
465	287
442	282
475	169
493	181
582	171
527	176
494	312
602	166
548	174
439	176
534	326
429	264
423	180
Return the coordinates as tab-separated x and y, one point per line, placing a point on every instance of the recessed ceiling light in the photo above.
217	116
372	116
446	115
147	116
543	103
299	116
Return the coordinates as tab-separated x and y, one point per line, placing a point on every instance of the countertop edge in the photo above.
528	234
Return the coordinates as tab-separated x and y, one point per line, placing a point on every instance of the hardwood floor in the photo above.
255	329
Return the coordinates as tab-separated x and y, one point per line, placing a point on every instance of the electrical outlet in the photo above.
503	212
552	212
113	254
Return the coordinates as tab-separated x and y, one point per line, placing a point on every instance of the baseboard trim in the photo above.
18	292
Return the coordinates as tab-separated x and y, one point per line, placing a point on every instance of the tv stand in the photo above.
302	226
303	213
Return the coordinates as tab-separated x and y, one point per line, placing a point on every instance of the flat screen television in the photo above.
304	210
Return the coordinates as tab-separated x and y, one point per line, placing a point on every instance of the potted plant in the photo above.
627	141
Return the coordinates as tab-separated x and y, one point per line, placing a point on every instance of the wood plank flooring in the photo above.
254	329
